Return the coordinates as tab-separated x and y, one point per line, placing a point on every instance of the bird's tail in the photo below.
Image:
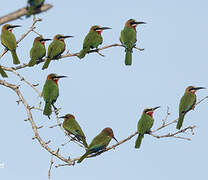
15	58
83	157
180	121
32	62
46	64
83	52
47	109
128	57
3	73
138	141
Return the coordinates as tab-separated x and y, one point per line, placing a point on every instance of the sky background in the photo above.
103	92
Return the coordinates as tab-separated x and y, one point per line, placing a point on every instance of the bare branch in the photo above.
51	164
21	12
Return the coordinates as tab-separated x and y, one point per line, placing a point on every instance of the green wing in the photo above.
92	40
99	141
187	102
50	91
8	40
38	51
55	49
145	124
128	37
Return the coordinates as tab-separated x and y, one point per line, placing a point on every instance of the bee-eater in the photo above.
8	40
72	127
38	50
55	49
99	143
3	73
187	103
50	93
145	124
128	38
33	6
92	40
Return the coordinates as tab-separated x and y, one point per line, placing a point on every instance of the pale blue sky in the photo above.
103	92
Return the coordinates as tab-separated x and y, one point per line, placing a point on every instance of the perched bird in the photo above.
99	143
3	73
33	7
145	124
38	50
8	40
92	40
55	49
128	38
50	93
187	103
72	127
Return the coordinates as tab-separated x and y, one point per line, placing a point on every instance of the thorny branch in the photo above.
21	12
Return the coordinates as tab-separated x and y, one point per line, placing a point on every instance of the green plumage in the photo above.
37	52
144	126
55	49
8	40
50	93
99	143
187	102
34	7
72	127
3	73
92	40
128	40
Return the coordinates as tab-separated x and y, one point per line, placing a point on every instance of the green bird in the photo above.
145	124
187	103
38	50
3	73
92	40
128	39
8	40
99	143
72	127
55	49
50	93
33	7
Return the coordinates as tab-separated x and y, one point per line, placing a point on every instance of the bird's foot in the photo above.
49	117
148	132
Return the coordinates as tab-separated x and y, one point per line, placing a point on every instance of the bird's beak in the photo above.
155	108
62	117
104	28
67	37
115	139
140	22
46	39
197	88
14	26
61	77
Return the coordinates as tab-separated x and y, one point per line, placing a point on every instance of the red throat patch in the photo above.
150	113
43	42
10	29
56	80
134	26
99	32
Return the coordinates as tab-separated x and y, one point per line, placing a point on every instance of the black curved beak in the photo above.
197	88
62	117
104	28
46	39
67	37
115	139
14	26
61	77
155	108
139	22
